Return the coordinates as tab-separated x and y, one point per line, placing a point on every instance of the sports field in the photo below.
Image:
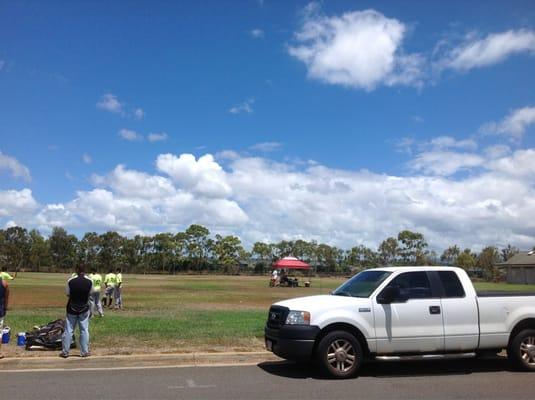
181	313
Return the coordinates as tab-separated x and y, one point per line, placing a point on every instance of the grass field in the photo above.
169	313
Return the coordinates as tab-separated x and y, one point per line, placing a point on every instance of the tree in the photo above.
414	247
89	248
111	244
16	247
466	260
487	260
449	256
62	249
228	251
361	256
389	250
509	252
39	251
164	251
198	244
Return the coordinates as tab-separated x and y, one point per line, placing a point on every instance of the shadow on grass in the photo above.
403	369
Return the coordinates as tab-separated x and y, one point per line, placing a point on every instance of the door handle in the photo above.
434	309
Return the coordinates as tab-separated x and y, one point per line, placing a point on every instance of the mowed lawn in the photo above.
179	313
164	314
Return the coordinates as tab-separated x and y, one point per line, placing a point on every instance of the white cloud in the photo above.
110	102
245	107
266	147
86	158
496	151
130	135
257	33
139	113
514	125
260	199
14	203
157	137
481	52
448	142
15	167
359	49
203	176
445	163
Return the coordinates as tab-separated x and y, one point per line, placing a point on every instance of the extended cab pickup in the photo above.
400	313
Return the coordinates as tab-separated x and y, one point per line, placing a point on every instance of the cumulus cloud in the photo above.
110	102
260	199
14	203
157	137
445	162
358	49
245	107
15	167
513	125
131	136
448	142
477	52
203	176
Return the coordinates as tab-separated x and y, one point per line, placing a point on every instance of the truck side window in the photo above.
451	283
413	285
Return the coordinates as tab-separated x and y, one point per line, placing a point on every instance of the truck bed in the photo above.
501	293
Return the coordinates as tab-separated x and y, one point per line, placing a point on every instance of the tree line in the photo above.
196	250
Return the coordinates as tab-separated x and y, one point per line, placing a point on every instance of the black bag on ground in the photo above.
47	336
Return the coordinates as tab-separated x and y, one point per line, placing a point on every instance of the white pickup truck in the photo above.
398	313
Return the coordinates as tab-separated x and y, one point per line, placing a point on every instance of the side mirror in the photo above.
388	295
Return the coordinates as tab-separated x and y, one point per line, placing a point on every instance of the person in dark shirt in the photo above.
78	290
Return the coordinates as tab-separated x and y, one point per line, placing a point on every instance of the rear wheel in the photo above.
521	351
340	354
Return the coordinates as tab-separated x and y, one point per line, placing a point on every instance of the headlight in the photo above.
298	318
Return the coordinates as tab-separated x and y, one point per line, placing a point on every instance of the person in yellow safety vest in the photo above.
94	296
110	281
118	289
5	275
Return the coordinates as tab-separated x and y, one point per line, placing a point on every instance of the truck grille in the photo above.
277	316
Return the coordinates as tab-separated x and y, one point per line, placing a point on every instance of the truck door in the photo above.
411	323
460	313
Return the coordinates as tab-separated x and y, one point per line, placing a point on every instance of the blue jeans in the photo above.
71	321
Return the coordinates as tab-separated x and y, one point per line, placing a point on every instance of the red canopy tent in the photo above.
291	263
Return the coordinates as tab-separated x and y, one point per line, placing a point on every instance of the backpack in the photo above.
47	336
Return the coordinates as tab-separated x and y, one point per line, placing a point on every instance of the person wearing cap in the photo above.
96	304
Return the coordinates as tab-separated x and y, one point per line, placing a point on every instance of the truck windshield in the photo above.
362	284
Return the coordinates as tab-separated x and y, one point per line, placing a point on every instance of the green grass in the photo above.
171	313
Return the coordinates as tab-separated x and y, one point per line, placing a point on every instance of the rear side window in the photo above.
451	283
413	285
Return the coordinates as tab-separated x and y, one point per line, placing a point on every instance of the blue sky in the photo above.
340	121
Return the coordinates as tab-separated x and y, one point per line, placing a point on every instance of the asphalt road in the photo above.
464	379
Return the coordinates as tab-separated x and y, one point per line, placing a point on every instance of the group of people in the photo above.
84	293
280	278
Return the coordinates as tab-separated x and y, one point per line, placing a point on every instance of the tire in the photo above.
521	350
340	354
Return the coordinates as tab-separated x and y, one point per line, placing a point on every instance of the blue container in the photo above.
6	335
21	339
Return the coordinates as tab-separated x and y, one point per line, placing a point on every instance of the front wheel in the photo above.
521	351
340	354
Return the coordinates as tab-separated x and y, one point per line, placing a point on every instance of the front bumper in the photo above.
292	342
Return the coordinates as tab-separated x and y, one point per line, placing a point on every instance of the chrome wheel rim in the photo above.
341	355
527	350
